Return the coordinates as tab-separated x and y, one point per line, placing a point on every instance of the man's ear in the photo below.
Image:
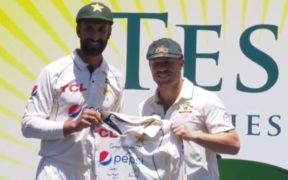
109	31
182	62
78	30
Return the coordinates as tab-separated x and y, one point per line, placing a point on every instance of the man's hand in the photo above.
88	118
182	129
223	142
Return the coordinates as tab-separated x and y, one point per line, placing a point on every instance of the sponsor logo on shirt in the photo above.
105	158
34	91
105	133
73	88
74	111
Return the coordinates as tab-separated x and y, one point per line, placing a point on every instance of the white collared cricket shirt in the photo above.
142	148
63	89
206	113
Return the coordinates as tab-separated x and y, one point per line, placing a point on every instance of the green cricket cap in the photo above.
95	10
164	47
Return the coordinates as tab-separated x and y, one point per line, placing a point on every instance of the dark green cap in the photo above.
95	10
164	47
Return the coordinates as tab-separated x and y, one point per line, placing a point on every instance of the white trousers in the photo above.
51	169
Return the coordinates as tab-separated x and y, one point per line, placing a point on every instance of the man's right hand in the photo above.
88	118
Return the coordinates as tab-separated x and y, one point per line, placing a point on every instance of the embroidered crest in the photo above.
161	49
185	107
141	139
97	7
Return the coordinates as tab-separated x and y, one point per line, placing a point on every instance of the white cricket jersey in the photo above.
63	89
205	113
154	153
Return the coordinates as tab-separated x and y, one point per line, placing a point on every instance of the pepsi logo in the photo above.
105	158
34	90
74	110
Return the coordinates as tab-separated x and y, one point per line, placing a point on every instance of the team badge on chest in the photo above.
185	107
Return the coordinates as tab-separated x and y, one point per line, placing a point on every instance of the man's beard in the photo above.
92	49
